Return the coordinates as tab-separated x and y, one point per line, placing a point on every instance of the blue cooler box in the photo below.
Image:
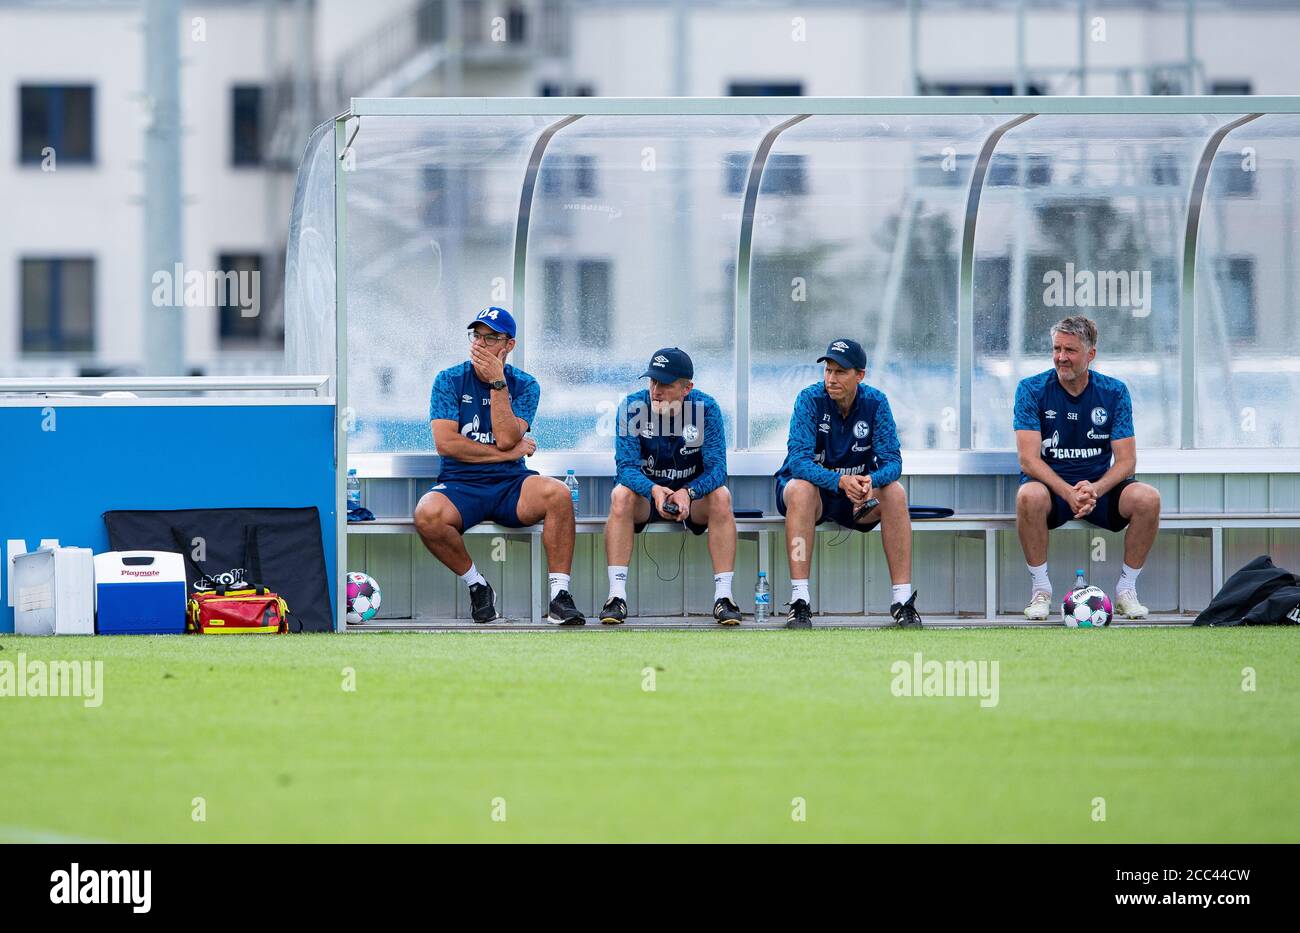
140	593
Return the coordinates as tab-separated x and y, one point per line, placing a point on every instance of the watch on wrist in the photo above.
691	493
498	383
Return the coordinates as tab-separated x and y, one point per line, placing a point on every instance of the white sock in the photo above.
722	585
472	576
799	590
1128	580
559	581
1042	583
618	582
902	592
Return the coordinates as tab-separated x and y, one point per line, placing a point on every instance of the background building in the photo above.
256	75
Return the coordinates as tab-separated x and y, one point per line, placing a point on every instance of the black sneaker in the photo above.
905	614
563	612
614	611
800	614
483	603
725	611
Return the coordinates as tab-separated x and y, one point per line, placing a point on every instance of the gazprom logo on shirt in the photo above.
471	430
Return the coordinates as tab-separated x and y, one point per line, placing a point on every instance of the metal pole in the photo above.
453	24
744	248
1187	300
681	71
1083	47
914	43
1021	83
1193	85
966	286
164	338
341	413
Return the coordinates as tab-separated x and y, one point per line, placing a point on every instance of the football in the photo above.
1086	608
364	598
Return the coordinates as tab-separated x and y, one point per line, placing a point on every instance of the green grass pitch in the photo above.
445	734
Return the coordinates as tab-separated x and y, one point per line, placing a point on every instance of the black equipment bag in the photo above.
1246	589
277	548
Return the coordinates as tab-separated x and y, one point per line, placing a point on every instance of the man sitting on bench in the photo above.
480	411
1069	423
670	450
842	453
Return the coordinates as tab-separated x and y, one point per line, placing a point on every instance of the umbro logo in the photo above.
661	361
840	345
1049	414
467	398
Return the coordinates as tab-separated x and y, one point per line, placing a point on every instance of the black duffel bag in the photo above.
277	548
1252	585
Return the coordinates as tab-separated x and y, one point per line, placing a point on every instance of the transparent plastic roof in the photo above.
752	232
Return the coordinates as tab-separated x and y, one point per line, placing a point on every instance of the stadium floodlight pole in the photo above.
1187	330
164	339
744	313
521	232
966	285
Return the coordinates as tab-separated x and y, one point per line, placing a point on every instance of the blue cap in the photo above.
670	364
848	353
499	319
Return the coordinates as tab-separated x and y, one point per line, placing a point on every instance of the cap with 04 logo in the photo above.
499	319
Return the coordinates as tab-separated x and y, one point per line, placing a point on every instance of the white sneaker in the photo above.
1127	605
1040	604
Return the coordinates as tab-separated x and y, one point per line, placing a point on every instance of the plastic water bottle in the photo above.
762	597
572	482
1080	581
354	491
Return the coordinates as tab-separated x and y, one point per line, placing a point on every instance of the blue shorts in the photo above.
656	517
1105	514
485	500
836	507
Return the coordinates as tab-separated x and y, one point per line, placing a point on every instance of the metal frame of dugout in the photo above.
1012	111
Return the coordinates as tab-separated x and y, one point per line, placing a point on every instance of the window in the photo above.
765	89
1230	177
555	89
783	173
578	294
516	24
1230	87
58	305
1164	169
446	190
977	89
246	126
61	117
1004	166
1236	278
240	304
573	175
